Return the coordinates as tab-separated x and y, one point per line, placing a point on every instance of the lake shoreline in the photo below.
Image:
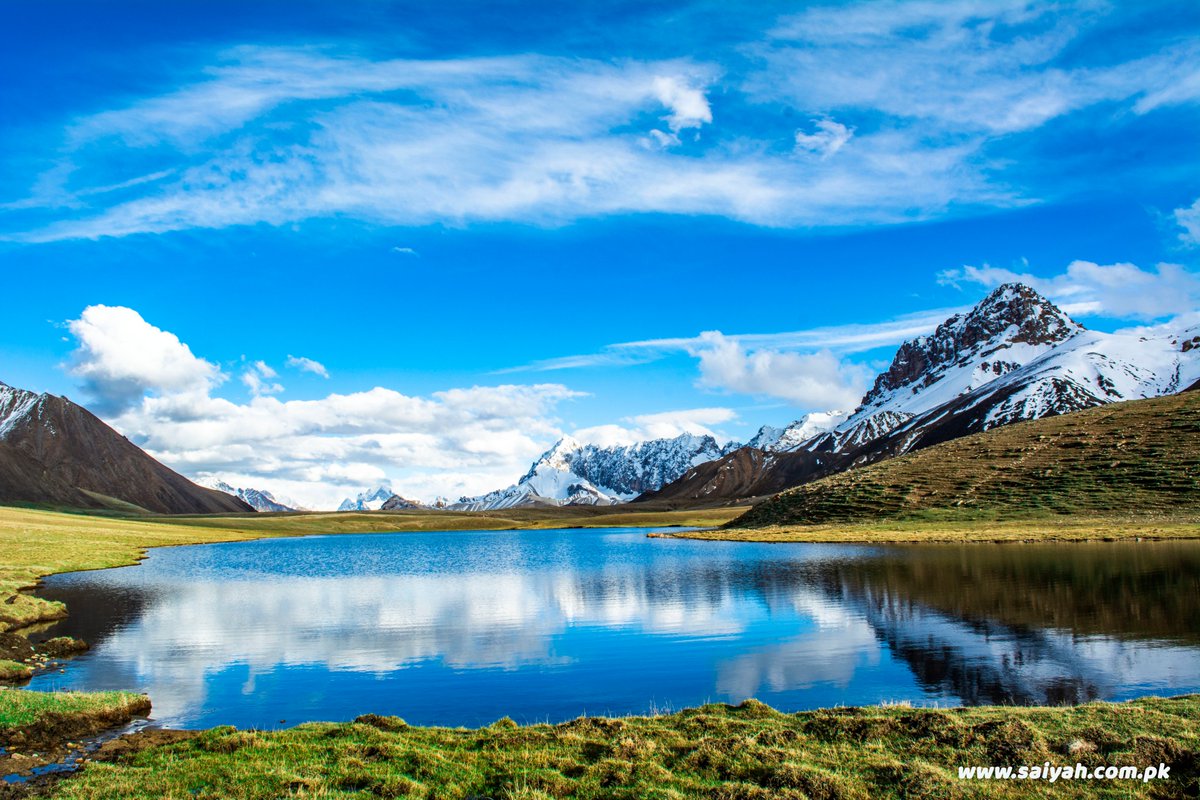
950	531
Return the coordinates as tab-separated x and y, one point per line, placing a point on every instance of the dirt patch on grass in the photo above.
54	729
125	747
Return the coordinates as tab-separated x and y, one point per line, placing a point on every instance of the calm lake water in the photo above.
463	628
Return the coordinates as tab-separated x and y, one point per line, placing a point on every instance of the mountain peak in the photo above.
1011	315
369	500
1038	321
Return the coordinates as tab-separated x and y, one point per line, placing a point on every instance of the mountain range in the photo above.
574	473
54	452
1015	356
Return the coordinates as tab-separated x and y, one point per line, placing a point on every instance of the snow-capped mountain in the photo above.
1015	356
775	440
572	473
370	500
259	499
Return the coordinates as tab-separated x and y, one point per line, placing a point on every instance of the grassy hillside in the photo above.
1140	458
35	543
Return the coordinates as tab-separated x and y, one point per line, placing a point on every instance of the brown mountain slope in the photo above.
55	452
1141	456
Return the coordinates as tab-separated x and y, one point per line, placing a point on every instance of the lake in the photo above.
462	628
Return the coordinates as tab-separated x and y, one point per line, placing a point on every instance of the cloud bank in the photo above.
152	388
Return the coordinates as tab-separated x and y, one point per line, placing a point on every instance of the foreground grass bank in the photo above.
36	543
717	751
22	711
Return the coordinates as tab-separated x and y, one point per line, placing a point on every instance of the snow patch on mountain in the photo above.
15	405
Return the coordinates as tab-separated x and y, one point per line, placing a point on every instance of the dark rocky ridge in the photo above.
55	452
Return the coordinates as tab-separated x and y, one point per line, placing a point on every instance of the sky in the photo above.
312	247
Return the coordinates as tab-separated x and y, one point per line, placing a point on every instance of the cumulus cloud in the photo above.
1113	290
827	138
661	425
459	441
120	357
257	378
688	105
817	380
1188	218
307	365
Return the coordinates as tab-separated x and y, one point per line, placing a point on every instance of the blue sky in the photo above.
464	213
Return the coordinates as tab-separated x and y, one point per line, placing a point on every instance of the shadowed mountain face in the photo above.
55	452
1014	357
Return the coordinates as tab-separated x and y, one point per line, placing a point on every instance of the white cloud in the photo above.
1112	290
817	380
459	441
688	105
827	139
661	425
257	378
307	365
120	357
842	339
1188	218
405	251
961	66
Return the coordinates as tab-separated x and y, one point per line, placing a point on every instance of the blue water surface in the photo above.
462	628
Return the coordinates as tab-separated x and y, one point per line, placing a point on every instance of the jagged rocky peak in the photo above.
1013	314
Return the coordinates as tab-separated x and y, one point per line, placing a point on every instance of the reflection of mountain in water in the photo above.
1032	624
978	624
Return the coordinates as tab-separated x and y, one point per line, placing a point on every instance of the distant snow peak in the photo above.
777	440
369	500
574	473
259	499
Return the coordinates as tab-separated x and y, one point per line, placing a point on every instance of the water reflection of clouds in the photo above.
737	624
830	654
378	625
